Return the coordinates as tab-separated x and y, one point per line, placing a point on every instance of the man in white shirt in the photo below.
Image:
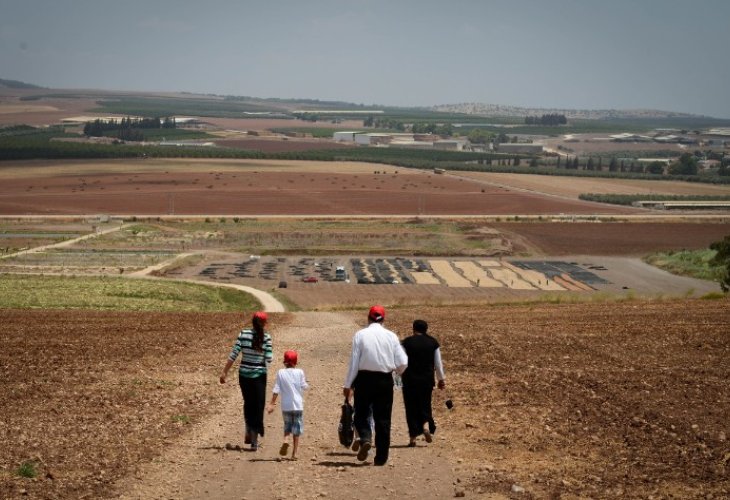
376	354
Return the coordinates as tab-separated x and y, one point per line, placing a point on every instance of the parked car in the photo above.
310	279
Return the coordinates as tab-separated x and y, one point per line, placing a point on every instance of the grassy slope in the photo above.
693	263
56	292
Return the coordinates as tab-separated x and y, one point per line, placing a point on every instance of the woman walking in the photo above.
254	345
424	358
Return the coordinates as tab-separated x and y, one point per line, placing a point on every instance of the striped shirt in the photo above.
253	362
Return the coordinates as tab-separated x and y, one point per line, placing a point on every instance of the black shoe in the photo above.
362	454
432	427
379	463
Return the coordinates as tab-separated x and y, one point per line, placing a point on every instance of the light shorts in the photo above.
293	422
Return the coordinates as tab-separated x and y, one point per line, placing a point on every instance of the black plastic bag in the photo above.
346	429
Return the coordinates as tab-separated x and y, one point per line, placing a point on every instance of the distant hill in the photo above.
482	109
15	84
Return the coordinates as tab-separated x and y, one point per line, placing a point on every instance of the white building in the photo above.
345	136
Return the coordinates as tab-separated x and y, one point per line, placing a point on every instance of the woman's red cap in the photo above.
261	316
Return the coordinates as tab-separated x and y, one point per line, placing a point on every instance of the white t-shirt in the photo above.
290	385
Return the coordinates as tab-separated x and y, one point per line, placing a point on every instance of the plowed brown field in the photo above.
293	190
582	400
610	238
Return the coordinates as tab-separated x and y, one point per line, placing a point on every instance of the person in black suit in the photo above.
424	359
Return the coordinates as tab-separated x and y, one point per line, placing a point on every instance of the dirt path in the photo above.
202	467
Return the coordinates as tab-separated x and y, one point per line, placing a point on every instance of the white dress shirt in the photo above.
375	349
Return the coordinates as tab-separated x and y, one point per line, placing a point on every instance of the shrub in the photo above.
27	469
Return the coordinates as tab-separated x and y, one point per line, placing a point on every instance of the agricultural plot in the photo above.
553	269
586	400
81	261
446	272
535	278
21	235
575	186
477	274
11	242
509	278
615	238
382	271
488	278
247	188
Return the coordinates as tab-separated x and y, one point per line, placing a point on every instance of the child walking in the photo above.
291	384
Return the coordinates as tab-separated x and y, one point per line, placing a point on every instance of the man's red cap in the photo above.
290	358
261	316
377	313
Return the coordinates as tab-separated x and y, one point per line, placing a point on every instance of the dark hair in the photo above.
258	334
420	326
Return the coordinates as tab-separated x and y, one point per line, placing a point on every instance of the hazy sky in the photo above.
666	54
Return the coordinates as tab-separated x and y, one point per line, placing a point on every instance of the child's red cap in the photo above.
290	358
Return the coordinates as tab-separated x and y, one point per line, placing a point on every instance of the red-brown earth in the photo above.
585	400
263	192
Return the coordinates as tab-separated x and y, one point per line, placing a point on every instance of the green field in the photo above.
119	294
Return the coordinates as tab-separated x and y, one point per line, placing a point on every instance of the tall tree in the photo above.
686	165
722	258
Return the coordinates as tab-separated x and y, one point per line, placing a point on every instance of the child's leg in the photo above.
284	450
297	427
284	445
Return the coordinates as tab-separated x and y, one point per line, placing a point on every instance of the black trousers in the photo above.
253	391
374	389
417	401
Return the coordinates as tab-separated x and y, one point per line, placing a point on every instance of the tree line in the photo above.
551	120
443	129
127	129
